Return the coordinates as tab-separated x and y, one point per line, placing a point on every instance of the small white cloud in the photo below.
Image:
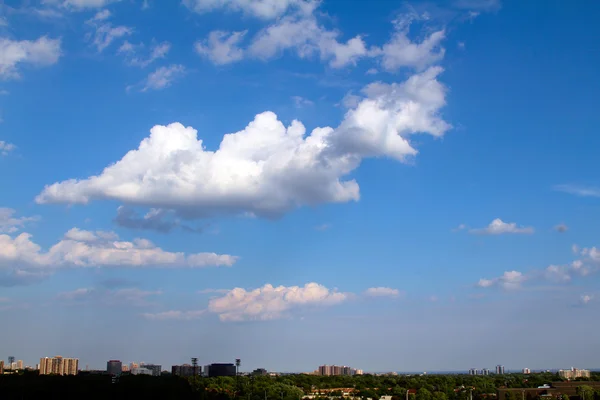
510	280
83	4
579	190
586	298
461	45
300	102
40	52
104	33
132	53
163	77
265	9
221	47
6	147
499	227
382	292
401	52
269	302
101	16
372	71
9	223
323	227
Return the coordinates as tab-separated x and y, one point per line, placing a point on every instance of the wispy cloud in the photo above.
579	190
6	147
300	102
163	77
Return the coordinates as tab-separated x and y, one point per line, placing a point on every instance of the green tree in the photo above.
585	392
424	394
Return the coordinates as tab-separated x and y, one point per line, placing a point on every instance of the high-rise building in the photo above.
20	364
125	368
473	371
58	366
500	369
526	371
134	365
114	367
186	370
485	371
327	370
221	369
260	372
156	369
1	367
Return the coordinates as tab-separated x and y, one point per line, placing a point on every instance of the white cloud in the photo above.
266	169
300	102
499	227
221	47
175	315
10	224
510	280
266	9
382	292
40	52
305	36
401	52
6	147
300	31
579	190
586	298
561	228
372	71
101	16
587	264
83	4
163	77
81	248
157	52
268	302
104	32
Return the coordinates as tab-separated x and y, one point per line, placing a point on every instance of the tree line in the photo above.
30	385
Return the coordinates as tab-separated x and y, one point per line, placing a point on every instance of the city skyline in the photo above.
333	368
397	186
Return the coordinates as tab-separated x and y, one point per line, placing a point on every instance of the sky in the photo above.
389	185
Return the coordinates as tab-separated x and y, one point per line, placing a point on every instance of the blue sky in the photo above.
403	186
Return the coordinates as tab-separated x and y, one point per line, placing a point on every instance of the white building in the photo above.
141	371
